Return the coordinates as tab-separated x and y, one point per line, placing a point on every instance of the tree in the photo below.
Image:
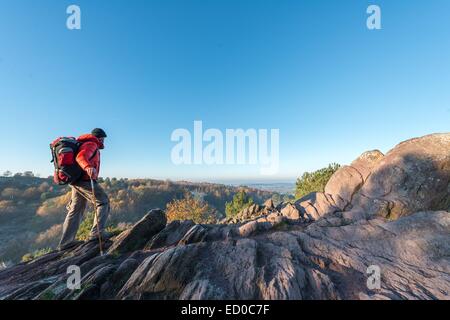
240	201
44	187
276	198
31	193
7	174
314	181
11	193
190	208
28	174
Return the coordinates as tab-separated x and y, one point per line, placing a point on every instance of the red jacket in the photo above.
89	154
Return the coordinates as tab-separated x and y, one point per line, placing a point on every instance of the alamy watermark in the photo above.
374	279
232	147
374	20
74	280
73	22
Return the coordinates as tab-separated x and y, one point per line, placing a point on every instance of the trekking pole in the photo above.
96	217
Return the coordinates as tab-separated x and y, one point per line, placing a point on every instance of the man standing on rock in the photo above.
88	158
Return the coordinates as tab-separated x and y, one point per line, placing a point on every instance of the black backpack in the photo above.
64	153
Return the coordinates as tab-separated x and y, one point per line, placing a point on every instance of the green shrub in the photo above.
47	295
85	227
314	181
36	254
84	231
240	201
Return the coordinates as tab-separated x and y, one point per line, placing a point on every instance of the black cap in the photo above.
99	133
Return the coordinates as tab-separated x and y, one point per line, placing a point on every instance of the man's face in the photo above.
102	140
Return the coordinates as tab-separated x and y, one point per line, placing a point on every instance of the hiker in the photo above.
88	158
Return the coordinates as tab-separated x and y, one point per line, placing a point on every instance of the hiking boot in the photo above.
69	245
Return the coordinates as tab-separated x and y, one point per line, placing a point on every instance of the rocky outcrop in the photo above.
413	176
137	237
382	215
354	175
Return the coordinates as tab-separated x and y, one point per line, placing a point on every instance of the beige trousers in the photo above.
81	195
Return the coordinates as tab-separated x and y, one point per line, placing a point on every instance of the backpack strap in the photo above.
94	154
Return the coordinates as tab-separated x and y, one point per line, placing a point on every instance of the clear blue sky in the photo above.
140	69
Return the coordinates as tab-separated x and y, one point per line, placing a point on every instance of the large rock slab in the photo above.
138	236
411	253
413	176
318	204
170	235
347	180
